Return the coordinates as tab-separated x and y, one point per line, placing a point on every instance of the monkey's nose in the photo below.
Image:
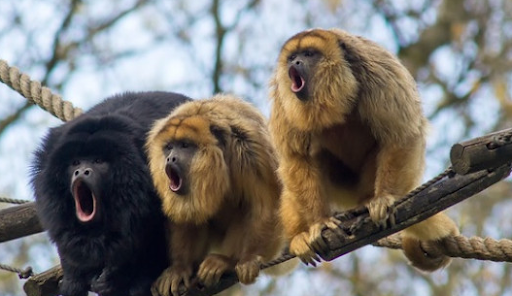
85	172
172	159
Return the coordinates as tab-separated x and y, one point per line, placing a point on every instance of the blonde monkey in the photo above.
348	126
214	167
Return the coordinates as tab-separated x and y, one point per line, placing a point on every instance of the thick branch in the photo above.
18	221
358	230
488	151
45	283
418	207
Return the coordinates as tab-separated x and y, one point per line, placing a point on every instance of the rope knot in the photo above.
26	273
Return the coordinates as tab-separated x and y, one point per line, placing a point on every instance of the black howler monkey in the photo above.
95	196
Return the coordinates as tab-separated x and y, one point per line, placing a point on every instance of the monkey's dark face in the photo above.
89	168
313	82
179	157
301	66
87	176
187	165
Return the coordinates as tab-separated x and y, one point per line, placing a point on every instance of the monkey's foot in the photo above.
307	245
212	268
299	247
248	270
169	281
317	242
381	210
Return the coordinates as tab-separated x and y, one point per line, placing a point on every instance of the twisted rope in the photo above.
22	273
13	201
35	93
460	246
285	257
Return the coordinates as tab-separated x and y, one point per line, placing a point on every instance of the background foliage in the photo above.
460	52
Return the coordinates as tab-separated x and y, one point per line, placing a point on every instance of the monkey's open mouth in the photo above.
175	180
298	81
85	201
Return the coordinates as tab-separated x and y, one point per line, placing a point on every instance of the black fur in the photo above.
124	251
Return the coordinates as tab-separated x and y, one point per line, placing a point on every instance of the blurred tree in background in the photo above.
460	52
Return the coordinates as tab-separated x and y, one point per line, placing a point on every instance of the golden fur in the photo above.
229	219
356	137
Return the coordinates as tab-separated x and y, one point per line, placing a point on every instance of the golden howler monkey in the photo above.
214	167
349	130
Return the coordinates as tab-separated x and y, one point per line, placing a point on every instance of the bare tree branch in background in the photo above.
64	51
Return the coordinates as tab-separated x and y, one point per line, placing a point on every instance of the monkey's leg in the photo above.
185	239
398	170
304	208
245	241
239	250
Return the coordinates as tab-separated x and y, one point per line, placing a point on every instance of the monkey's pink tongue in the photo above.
175	181
298	82
85	202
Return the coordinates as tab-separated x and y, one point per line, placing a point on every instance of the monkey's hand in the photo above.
248	269
212	268
169	281
381	209
307	245
107	282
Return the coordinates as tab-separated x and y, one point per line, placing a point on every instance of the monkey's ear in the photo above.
219	134
350	56
342	45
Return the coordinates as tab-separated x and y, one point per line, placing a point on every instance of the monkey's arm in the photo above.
304	207
262	240
398	170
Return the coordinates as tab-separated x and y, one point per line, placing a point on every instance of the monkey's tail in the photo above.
419	258
417	238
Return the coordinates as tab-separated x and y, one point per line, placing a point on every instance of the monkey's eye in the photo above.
309	53
75	162
169	146
185	144
98	160
292	57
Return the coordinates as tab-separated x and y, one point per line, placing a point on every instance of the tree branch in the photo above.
18	221
358	230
